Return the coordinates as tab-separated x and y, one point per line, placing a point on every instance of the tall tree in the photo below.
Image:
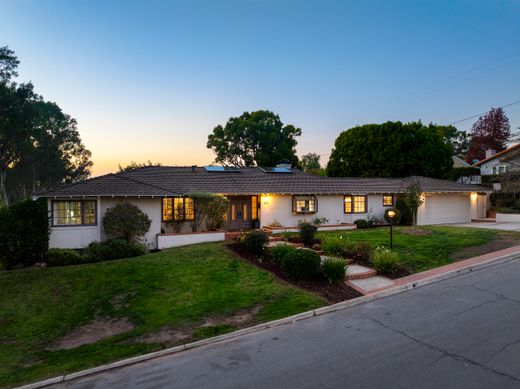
490	132
310	163
459	140
391	149
254	139
39	145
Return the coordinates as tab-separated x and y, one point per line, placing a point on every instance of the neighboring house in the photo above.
466	175
459	162
258	197
502	162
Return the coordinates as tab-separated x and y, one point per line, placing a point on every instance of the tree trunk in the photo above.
3	190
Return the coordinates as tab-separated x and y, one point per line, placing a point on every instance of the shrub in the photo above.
287	236
210	210
279	251
361	223
307	232
318	221
385	261
372	219
24	233
396	219
334	269
126	221
112	249
255	242
406	212
62	257
360	252
334	245
301	264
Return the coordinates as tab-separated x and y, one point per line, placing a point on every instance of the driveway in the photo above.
462	332
504	226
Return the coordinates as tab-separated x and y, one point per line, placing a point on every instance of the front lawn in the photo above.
424	248
160	299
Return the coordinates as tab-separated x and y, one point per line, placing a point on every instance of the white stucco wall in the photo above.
279	208
176	240
77	237
486	168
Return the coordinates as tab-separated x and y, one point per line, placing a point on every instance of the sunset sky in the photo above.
148	80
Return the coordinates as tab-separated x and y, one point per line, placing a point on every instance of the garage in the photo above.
445	208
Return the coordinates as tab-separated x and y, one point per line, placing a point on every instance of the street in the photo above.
463	332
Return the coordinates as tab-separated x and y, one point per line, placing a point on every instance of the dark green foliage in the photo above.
391	149
62	257
126	221
361	223
255	242
301	264
112	249
334	269
281	250
254	138
210	210
413	199
334	245
505	200
406	213
307	233
458	172
359	252
394	220
24	233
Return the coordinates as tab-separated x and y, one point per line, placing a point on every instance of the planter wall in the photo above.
325	227
508	217
175	240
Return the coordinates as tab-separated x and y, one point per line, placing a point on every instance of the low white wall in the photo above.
279	209
508	218
320	228
73	237
176	240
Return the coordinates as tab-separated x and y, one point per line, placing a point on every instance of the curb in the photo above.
385	292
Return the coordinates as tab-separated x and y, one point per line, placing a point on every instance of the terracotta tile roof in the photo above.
171	181
500	153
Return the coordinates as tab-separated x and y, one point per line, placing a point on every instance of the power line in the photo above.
483	113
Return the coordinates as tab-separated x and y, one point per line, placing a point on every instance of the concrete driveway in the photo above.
492	225
461	332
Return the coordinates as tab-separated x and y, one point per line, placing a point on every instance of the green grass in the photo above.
178	288
441	247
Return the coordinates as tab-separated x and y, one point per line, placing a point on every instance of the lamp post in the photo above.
391	215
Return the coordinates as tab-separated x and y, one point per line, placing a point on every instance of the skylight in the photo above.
221	169
276	170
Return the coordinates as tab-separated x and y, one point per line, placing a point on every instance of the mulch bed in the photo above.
334	293
399	273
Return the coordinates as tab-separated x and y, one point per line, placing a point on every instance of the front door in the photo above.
239	213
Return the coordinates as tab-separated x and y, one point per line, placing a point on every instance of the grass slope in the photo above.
442	246
179	288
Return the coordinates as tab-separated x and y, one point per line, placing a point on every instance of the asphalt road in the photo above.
463	332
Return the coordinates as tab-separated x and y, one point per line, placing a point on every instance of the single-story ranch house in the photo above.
258	197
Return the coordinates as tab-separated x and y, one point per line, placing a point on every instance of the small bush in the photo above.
385	261
361	223
301	264
334	245
281	250
307	232
126	221
255	242
62	257
334	269
318	221
112	249
406	212
360	252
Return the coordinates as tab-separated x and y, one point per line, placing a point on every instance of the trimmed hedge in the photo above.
307	232
63	257
301	264
24	233
112	249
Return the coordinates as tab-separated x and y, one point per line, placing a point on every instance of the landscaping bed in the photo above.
333	292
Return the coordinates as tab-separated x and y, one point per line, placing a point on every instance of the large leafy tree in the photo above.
254	139
459	140
40	146
391	149
490	132
310	163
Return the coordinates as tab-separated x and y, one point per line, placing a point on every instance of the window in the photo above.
305	204
254	207
494	170
502	169
388	200
70	213
178	209
355	204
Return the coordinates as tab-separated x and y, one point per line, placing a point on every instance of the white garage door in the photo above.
446	208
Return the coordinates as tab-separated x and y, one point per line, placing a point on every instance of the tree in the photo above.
490	132
210	210
134	165
391	149
414	199
254	139
40	146
459	140
126	221
310	163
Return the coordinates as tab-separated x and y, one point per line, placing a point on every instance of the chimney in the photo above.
284	163
193	168
490	153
